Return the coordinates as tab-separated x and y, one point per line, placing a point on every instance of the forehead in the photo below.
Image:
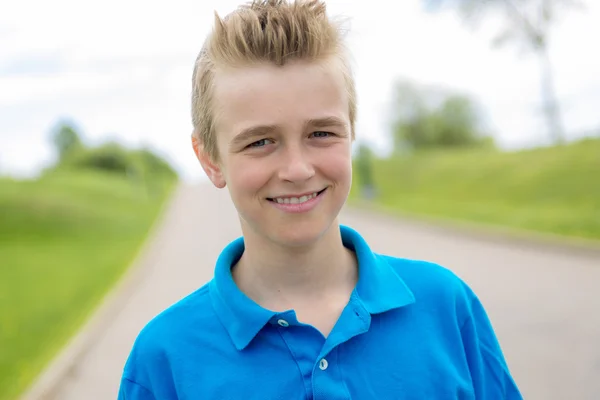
289	95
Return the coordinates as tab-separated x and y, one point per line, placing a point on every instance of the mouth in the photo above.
296	199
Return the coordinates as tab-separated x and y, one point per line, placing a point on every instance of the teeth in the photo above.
295	200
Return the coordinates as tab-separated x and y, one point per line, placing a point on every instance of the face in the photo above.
284	143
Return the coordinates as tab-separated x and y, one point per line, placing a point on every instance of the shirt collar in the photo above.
379	288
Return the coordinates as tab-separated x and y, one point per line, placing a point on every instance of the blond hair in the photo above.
264	31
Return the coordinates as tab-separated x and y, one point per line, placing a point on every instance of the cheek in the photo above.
337	165
246	176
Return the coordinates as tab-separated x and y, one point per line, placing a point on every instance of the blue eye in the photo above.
259	143
321	134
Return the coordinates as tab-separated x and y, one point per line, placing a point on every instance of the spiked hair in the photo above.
274	31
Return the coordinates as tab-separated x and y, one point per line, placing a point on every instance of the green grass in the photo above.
552	190
65	239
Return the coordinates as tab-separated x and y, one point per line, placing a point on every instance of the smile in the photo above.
295	199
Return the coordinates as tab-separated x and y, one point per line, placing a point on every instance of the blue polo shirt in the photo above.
411	330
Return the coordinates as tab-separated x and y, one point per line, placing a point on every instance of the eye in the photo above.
321	134
260	143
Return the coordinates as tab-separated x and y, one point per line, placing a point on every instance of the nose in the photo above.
296	166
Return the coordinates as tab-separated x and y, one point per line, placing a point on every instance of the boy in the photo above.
300	307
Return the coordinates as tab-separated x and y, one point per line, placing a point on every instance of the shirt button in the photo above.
283	323
323	364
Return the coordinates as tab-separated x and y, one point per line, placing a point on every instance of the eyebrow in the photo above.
259	130
255	131
325	122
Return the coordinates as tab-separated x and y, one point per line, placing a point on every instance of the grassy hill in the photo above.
552	190
65	239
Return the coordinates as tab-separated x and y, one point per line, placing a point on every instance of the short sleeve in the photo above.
489	371
129	390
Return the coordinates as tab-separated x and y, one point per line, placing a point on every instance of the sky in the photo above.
121	70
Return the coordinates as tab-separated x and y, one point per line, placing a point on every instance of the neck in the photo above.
279	277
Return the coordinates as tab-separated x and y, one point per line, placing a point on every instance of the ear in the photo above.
211	168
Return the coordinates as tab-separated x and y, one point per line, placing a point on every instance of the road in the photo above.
543	302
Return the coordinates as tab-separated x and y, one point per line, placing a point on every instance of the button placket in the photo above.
323	364
303	344
283	323
328	382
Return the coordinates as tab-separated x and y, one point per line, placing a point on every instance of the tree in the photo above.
527	23
364	168
66	139
429	117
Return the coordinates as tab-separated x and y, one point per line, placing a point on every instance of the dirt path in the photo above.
543	302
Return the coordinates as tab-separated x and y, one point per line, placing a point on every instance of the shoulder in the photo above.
159	339
421	275
190	310
433	285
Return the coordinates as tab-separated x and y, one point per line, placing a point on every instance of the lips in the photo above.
296	198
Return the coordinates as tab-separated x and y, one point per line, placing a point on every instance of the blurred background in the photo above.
480	112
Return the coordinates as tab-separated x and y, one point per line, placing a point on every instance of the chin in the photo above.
301	235
296	239
294	231
293	235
